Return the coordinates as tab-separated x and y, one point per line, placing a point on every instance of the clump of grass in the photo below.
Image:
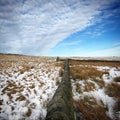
1	102
97	63
89	86
20	98
117	79
78	72
90	112
12	88
33	105
32	67
41	84
28	113
12	108
32	86
59	64
85	72
113	90
78	88
100	82
60	72
57	82
117	105
24	68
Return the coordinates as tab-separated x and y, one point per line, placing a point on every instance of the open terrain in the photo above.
96	87
27	84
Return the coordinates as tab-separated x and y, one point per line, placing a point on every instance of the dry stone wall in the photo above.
61	106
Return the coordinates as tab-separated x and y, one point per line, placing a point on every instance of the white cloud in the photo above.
71	43
117	43
35	26
115	51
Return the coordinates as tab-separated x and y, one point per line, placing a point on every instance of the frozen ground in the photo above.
26	86
95	91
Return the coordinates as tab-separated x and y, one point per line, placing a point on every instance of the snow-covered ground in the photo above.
91	88
26	86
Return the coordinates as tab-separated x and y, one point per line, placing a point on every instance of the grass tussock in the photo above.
61	65
113	90
29	112
1	101
12	88
20	98
91	112
100	82
85	72
110	64
117	79
24	68
78	88
89	86
117	109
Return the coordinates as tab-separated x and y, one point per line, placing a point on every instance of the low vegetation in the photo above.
97	63
91	110
87	80
61	65
113	90
117	79
27	85
85	72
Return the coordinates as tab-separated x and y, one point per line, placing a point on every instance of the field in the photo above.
27	84
96	87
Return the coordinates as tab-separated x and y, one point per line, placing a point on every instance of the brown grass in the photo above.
32	86
113	90
78	88
117	79
100	82
12	88
89	86
85	72
41	84
91	112
28	113
117	109
1	102
25	68
21	98
33	105
110	64
61	65
57	82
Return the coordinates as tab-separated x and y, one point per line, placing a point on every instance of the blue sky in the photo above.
60	27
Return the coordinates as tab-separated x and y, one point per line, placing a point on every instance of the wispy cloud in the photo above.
114	51
71	43
117	43
106	52
35	26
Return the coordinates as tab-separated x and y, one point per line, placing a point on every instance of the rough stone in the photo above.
61	106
